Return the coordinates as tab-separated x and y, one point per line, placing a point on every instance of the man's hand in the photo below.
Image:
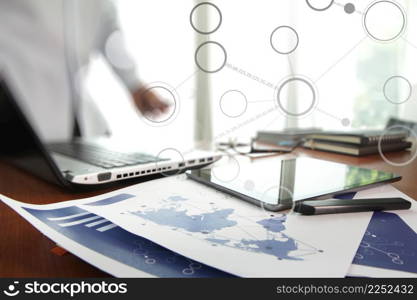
149	103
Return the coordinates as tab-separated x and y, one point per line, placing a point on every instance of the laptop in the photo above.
80	162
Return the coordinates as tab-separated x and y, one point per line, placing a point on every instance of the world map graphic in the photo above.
211	225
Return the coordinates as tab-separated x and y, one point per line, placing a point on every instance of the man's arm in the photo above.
146	101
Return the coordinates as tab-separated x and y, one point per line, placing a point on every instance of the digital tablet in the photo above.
276	184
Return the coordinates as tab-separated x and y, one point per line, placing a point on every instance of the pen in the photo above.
333	206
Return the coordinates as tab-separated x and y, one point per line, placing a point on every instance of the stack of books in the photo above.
358	143
287	137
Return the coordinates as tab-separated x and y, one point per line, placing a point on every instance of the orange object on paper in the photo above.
57	250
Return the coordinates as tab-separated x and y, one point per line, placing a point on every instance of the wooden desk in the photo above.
25	252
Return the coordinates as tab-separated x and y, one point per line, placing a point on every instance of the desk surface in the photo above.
25	252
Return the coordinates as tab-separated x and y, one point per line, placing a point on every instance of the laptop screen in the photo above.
20	145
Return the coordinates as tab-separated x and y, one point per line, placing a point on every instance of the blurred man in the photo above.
46	46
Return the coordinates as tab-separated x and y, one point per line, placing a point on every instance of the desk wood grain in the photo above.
25	252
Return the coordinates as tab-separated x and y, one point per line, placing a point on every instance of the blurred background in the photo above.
161	40
358	82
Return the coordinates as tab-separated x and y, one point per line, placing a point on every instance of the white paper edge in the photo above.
91	257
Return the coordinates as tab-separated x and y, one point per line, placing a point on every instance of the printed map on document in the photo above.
217	226
231	235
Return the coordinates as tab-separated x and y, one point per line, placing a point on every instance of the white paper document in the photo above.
106	245
231	235
203	230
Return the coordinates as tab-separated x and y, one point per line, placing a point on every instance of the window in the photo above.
160	40
342	66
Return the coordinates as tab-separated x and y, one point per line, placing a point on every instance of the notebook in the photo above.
287	136
367	137
355	150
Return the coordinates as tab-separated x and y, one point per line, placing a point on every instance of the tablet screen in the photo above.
275	181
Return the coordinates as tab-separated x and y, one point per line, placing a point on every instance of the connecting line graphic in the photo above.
260	101
341	59
349	8
408	42
250	75
328	114
244	123
272	122
187	79
395	258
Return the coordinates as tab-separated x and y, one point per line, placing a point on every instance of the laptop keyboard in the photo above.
102	157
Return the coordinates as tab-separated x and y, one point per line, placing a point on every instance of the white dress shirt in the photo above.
43	46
